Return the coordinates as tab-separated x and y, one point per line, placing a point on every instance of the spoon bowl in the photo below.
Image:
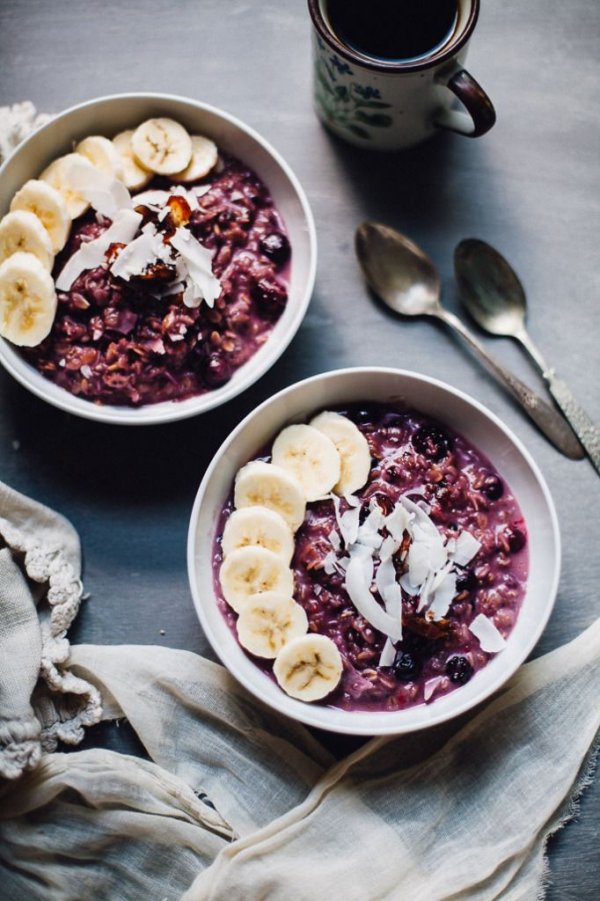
490	288
399	272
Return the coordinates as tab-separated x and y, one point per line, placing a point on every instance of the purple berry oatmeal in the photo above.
434	543
136	338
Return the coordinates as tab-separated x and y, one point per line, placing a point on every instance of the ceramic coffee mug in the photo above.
393	103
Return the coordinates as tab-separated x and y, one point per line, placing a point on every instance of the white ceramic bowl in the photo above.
465	416
110	115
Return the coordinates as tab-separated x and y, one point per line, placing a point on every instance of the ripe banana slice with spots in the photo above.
22	231
253	570
268	621
135	177
204	158
102	154
265	485
310	457
64	174
46	203
258	527
162	146
308	668
352	447
27	300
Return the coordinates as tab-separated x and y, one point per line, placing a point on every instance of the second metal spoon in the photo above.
404	277
494	296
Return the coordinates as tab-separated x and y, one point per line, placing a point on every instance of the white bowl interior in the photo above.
465	416
109	116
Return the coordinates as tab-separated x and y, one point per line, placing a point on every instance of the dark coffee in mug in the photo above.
392	31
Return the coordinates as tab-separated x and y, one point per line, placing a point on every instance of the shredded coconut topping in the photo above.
364	554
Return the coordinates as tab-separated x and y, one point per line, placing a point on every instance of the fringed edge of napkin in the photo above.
16	123
72	703
570	812
20	747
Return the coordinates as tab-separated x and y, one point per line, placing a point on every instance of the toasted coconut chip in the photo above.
487	634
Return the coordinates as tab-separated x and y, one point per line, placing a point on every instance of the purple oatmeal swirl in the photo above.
132	342
424	465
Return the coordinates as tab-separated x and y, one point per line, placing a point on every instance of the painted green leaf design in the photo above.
374	104
380	120
323	82
360	132
341	91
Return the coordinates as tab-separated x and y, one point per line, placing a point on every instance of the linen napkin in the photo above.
16	123
240	803
41	701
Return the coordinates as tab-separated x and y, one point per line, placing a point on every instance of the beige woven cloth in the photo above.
237	802
41	701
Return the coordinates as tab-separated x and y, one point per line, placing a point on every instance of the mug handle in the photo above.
480	115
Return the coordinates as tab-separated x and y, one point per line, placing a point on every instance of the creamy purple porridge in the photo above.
416	579
127	282
137	342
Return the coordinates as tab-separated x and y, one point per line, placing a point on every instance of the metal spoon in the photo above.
495	298
404	277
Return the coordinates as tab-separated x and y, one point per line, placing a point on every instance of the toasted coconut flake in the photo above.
432	685
107	195
465	549
388	653
92	253
359	576
487	634
443	593
198	260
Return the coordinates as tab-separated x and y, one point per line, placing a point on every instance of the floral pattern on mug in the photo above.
347	103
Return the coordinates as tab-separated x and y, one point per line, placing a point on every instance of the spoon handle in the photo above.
546	418
582	425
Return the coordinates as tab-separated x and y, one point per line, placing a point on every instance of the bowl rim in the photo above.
314	716
169	411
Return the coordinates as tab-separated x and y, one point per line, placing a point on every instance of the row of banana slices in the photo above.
41	212
308	463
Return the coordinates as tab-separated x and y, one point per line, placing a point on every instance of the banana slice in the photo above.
260	484
162	146
258	527
268	621
102	154
134	176
352	447
23	231
253	570
47	204
310	457
204	158
309	667
62	175
27	300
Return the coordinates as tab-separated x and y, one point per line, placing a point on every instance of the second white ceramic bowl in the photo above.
464	415
110	115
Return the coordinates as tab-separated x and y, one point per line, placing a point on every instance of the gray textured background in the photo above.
531	187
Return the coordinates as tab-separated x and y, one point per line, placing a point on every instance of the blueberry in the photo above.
459	669
406	666
516	540
467	581
276	247
216	370
493	488
271	297
361	416
432	441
